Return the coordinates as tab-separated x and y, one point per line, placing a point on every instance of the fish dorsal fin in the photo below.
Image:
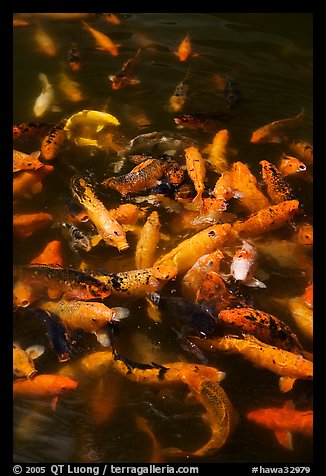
289	405
54	402
286	384
35	351
284	438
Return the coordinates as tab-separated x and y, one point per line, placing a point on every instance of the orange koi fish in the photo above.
184	50
104	43
74	284
22	161
217	151
304	234
179	96
303	149
45	42
244	264
276	186
23	365
290	165
145	175
89	316
74	59
267	219
44	386
185	255
213	291
195	276
196	170
111	18
220	416
248	193
124	77
263	326
30	129
157	451
138	282
103	399
51	254
148	241
29	182
25	226
223	190
284	421
288	365
127	214
275	131
109	229
24	294
54	143
70	88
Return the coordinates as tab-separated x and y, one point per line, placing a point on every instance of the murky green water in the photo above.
270	56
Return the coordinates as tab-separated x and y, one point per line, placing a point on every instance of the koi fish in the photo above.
232	93
157	451
148	240
24	294
301	314
197	171
45	100
275	131
89	316
284	421
77	239
244	264
51	254
194	277
304	234
219	415
208	121
188	251
109	229
104	43
74	58
124	77
267	219
56	334
74	284
291	165
276	186
54	143
22	161
44	386
23	365
139	282
180	95
303	149
184	50
145	175
223	191
263	326
288	365
213	294
217	152
111	18
30	129
173	171
29	182
45	43
70	88
103	399
248	194
25	226
185	313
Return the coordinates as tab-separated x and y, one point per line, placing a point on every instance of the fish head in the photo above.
62	384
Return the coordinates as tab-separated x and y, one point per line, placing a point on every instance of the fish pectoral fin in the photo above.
54	402
56	108
134	81
255	283
286	384
102	337
191	399
111	77
284	438
35	351
95	239
100	48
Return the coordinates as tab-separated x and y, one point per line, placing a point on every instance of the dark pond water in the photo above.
270	56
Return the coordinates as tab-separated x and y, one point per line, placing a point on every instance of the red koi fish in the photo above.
124	77
284	421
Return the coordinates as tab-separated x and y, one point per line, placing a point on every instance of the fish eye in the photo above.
212	233
94	319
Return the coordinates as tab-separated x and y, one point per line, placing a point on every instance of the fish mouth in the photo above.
32	373
123	247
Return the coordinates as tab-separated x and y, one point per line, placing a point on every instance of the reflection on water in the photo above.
270	57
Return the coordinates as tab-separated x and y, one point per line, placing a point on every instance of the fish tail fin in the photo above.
301	114
285	439
120	313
